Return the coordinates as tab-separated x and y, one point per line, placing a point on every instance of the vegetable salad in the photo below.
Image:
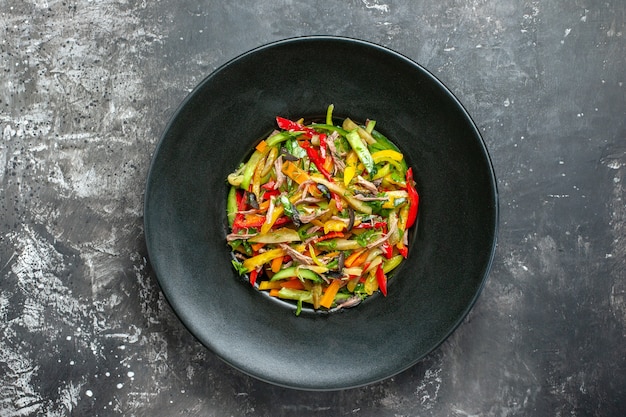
319	213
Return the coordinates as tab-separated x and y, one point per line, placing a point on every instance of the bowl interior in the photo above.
214	130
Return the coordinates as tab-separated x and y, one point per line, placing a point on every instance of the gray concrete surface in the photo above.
86	88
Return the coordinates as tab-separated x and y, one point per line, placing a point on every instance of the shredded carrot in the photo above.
276	264
256	246
274	292
262	146
350	260
361	259
329	295
292	171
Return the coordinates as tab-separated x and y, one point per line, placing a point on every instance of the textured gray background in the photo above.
86	88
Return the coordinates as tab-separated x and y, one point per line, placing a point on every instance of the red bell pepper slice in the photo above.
253	276
241	200
269	185
413	198
387	250
404	251
292	126
382	280
330	235
270	193
248	221
375	225
323	146
318	161
256	221
241	206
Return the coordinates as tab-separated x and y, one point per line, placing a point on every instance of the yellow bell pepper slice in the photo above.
282	235
269	285
390	156
403	215
263	258
393	196
371	283
269	161
318	269
267	226
334	226
350	170
256	177
387	154
314	256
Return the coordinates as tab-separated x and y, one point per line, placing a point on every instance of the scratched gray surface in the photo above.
86	87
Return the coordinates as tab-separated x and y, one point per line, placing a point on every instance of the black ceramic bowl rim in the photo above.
215	128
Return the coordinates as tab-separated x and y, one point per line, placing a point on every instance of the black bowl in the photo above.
214	130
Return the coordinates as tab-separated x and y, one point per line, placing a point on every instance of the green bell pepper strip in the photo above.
383	143
231	206
361	150
248	170
277	138
389	265
297	295
330	128
349	125
281	235
329	114
293	271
